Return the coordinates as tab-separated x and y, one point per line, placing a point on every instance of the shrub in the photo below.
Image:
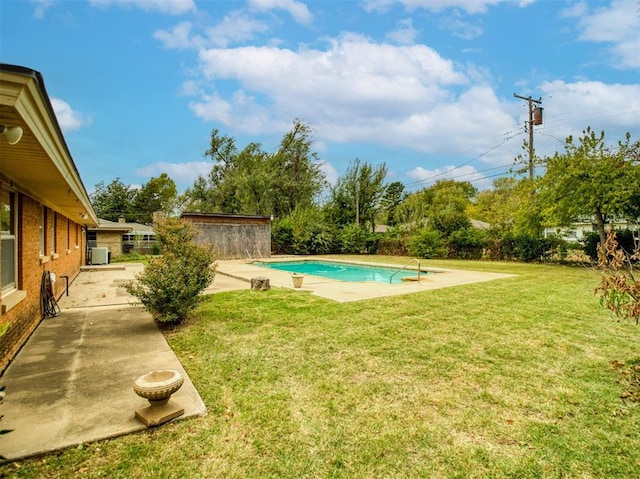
524	247
467	243
425	243
355	239
619	288
170	285
393	242
282	236
624	238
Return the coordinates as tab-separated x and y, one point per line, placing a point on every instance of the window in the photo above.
54	233
9	247
41	231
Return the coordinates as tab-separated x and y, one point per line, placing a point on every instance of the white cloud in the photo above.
179	37
405	33
576	10
182	173
69	119
618	25
461	29
41	7
234	28
469	6
355	91
171	7
297	10
330	172
571	107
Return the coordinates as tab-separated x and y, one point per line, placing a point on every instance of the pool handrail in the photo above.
400	269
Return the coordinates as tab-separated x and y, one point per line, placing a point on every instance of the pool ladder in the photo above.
249	255
414	260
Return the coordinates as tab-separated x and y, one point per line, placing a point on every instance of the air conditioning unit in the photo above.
99	255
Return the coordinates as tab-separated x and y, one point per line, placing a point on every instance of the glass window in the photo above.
9	244
41	231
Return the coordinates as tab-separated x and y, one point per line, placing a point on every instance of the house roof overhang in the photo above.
40	164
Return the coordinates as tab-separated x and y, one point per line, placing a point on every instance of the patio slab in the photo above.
73	380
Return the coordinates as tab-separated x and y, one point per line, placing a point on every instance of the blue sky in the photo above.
425	86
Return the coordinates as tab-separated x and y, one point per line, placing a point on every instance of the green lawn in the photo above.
509	378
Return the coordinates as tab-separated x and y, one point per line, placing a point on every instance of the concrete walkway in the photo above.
72	382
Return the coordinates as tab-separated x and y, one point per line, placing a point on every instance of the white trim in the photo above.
9	301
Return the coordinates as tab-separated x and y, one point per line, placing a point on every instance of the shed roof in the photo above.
224	215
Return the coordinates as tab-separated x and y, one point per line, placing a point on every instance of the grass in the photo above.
515	378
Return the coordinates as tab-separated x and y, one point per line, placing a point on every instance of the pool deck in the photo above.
344	291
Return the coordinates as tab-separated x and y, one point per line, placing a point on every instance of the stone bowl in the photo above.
158	386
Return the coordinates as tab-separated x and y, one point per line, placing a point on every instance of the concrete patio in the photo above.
73	380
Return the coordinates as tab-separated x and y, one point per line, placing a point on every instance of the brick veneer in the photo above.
69	256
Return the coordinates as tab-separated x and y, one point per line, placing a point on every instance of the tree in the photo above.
158	194
252	181
591	180
497	206
295	169
114	200
448	201
356	196
442	206
394	195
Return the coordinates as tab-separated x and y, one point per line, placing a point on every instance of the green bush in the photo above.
170	285
282	236
467	243
525	247
354	239
425	243
393	242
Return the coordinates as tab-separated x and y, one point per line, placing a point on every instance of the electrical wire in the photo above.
449	170
48	304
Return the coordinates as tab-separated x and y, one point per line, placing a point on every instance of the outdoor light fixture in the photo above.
13	134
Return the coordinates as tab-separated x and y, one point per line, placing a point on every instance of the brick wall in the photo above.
25	316
111	240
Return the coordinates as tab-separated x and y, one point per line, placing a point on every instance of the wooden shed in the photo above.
234	236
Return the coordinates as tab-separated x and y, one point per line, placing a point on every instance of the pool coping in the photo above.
344	291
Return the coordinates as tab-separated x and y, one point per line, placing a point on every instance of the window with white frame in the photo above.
9	246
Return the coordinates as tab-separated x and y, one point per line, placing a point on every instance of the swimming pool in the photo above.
342	271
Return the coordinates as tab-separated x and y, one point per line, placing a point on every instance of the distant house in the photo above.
121	237
234	236
579	230
44	206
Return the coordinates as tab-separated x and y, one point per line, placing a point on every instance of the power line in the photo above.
425	180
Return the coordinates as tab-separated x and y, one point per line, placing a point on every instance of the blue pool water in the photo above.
341	271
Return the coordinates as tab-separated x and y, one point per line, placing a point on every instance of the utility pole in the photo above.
533	120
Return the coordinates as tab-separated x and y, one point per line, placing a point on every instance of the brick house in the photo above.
121	237
44	206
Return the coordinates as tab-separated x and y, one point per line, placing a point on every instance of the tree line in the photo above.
587	181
